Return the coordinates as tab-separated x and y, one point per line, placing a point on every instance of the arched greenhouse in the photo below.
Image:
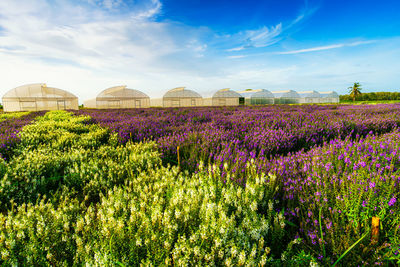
120	97
227	97
182	97
35	97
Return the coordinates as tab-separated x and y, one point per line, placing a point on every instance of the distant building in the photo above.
286	97
119	97
227	97
329	97
182	97
309	97
257	96
35	97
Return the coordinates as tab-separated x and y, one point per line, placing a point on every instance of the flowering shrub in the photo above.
61	150
40	234
10	125
5	116
167	217
239	134
338	188
287	185
117	205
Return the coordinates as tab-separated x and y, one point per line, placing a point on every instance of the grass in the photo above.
371	102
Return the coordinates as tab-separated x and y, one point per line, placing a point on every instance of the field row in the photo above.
288	185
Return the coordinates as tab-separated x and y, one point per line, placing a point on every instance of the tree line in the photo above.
373	96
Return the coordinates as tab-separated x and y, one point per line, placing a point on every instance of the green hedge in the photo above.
72	196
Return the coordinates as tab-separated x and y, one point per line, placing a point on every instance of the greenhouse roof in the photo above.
286	94
120	92
181	92
329	94
248	92
263	93
37	91
226	93
310	94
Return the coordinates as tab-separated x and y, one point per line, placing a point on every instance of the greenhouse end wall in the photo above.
286	100
123	103
329	100
217	101
182	102
10	105
260	101
310	100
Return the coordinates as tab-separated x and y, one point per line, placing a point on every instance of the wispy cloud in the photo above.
91	36
86	46
238	56
266	36
124	43
257	38
143	9
326	47
306	12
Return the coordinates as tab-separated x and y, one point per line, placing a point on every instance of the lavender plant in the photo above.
10	125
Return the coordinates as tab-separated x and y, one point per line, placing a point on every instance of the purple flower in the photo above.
329	225
372	185
392	201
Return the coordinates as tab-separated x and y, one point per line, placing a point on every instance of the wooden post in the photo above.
179	160
375	230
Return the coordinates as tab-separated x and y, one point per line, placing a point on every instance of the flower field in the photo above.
232	186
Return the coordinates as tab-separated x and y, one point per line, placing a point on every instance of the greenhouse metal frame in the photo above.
286	97
119	97
310	97
329	97
182	97
36	97
227	97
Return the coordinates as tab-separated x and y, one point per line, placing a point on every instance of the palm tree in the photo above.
355	90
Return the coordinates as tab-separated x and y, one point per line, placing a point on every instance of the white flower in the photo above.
270	205
233	251
242	257
253	206
196	251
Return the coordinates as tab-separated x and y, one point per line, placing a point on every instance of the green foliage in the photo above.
373	96
5	116
346	183
40	234
355	90
71	195
167	217
162	217
63	150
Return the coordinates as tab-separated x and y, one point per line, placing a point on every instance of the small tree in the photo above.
355	90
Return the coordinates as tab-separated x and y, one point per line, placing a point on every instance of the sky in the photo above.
85	46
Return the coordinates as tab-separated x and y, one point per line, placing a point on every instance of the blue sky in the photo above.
85	46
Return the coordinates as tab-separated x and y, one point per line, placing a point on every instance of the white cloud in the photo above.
267	36
238	56
262	37
88	47
97	42
45	36
326	47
